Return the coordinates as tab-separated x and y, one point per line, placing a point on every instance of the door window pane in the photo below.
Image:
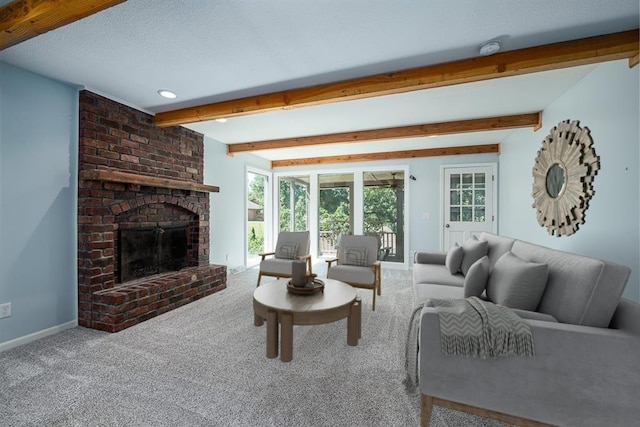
454	213
454	197
467	213
468	204
467	180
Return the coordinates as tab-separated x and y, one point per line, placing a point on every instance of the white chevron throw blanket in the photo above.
470	327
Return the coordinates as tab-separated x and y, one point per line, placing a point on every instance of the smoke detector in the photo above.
489	48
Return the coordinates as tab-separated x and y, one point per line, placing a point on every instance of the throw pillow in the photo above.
355	256
286	250
517	283
476	279
473	249
454	258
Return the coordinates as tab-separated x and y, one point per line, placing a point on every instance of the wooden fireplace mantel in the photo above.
109	175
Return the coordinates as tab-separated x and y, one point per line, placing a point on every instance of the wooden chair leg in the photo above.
374	300
259	277
426	408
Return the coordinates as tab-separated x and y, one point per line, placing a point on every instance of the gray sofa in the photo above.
586	368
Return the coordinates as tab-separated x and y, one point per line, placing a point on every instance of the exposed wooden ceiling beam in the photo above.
517	62
533	120
634	61
427	152
21	20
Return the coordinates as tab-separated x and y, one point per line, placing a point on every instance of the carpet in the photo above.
204	364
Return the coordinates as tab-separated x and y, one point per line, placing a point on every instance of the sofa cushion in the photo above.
352	274
516	283
476	279
454	258
286	250
435	274
534	315
498	245
425	292
580	290
473	249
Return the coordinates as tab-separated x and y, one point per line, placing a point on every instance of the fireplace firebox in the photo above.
147	251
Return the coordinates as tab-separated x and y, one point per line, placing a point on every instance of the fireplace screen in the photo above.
147	251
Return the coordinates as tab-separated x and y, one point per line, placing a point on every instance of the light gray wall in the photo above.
38	182
228	210
607	102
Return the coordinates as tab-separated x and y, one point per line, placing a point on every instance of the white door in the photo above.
468	203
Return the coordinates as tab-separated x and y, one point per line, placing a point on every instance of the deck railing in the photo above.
328	242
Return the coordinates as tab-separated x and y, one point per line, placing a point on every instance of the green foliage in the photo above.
334	212
380	209
256	241
256	190
301	204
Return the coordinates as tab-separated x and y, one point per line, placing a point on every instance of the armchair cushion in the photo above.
276	267
352	274
517	283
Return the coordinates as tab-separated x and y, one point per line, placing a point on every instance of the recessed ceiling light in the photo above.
167	93
489	48
221	120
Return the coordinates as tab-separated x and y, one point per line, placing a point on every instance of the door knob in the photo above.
447	226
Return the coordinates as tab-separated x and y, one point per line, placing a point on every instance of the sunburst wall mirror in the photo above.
563	176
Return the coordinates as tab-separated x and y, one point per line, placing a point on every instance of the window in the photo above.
383	212
293	206
335	210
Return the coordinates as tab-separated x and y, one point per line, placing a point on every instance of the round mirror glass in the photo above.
555	180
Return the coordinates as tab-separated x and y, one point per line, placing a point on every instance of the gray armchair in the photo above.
357	264
291	246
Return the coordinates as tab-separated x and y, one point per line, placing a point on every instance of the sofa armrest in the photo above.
430	257
579	376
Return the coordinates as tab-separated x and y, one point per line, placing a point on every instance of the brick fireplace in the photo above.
134	176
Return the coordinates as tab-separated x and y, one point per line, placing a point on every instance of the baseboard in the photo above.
37	335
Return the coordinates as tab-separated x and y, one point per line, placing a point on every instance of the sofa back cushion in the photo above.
498	246
580	290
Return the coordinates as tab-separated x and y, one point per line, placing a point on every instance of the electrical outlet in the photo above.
5	310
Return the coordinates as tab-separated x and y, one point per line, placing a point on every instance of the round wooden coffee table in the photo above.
281	309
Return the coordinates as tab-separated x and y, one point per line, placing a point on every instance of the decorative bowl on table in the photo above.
309	287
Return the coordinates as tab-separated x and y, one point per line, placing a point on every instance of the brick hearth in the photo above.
135	175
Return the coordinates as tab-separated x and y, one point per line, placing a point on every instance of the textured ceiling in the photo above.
216	50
